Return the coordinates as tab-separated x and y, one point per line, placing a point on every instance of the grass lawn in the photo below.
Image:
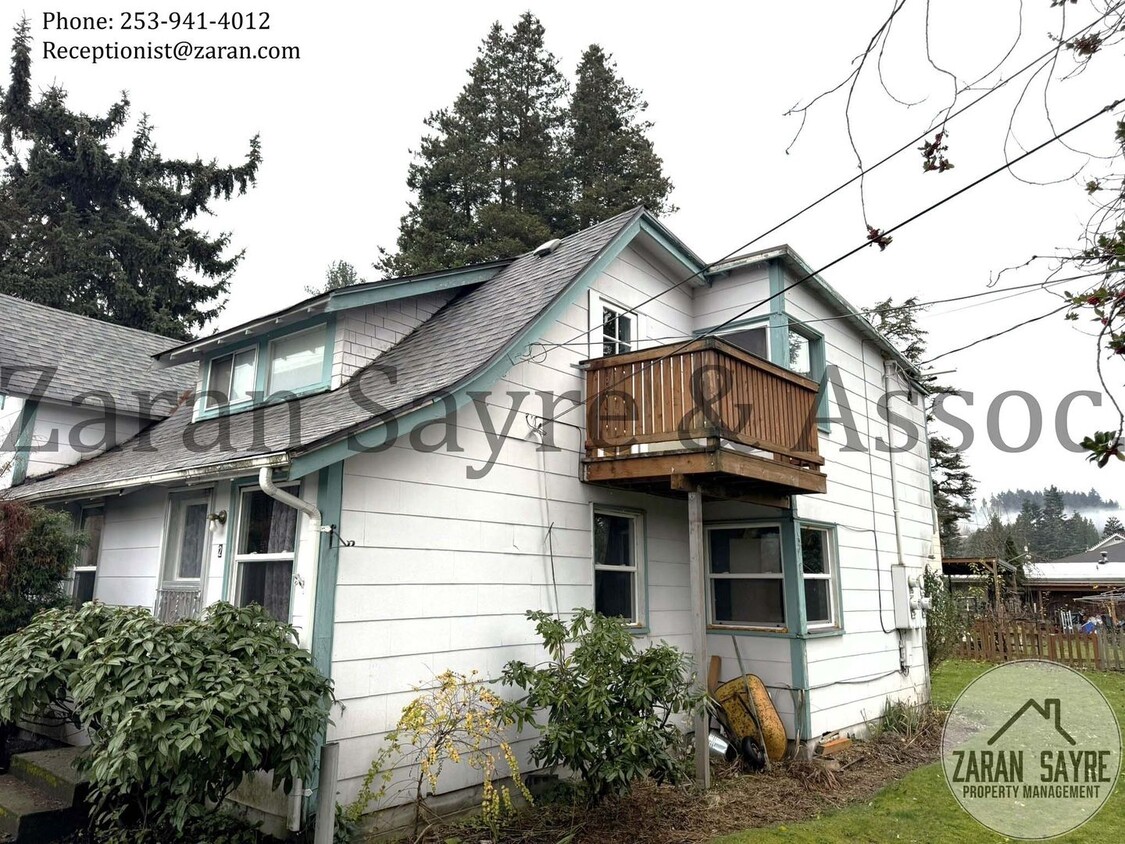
921	808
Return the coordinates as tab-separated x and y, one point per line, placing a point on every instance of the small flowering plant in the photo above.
455	719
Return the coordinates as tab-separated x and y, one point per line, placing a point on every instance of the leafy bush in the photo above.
609	706
945	624
177	713
455	719
216	828
37	550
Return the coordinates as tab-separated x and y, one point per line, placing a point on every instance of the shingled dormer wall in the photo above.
362	334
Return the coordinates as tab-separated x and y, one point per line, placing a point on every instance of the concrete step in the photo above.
53	772
29	816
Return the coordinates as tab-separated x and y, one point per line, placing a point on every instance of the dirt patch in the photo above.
791	792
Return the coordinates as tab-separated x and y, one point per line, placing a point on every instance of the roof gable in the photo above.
54	355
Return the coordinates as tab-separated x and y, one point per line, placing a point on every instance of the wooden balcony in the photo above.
702	416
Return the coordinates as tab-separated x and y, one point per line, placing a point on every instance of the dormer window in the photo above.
297	361
231	379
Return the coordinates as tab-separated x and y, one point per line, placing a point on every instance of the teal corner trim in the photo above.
341	449
779	322
26	423
795	609
329	500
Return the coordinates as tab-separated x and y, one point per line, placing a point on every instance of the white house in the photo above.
402	468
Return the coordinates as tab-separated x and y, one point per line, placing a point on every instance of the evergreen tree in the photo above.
105	234
612	163
953	484
489	180
339	274
1112	525
511	164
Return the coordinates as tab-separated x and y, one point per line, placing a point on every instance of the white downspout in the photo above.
890	459
266	484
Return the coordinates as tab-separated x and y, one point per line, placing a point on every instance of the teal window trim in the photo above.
779	322
796	615
262	345
641	626
837	597
238	487
818	362
790	588
26	423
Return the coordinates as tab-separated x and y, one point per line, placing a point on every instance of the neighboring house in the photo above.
402	468
979	584
1058	585
72	387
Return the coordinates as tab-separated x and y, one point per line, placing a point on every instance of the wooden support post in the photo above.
697	560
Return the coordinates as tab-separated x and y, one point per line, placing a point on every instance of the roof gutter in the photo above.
214	472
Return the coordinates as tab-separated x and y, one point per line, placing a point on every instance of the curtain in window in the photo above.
192	541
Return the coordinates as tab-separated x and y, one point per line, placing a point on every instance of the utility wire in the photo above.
998	333
860	175
813	274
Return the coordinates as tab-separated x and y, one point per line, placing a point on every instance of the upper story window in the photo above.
230	380
753	340
297	361
800	354
290	364
618	330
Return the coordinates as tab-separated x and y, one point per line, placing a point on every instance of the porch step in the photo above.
53	772
30	816
41	796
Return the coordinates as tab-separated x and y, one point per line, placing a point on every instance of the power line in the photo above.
860	175
1018	325
912	218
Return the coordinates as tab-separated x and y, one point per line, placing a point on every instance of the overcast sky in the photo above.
338	124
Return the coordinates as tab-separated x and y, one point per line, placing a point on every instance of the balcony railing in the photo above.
702	397
177	604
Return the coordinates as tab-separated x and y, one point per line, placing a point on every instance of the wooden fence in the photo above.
992	641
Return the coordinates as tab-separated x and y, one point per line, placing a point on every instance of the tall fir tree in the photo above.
1112	525
512	163
488	180
105	234
953	483
612	163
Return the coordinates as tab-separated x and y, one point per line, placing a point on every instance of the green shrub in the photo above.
609	706
945	624
37	551
177	713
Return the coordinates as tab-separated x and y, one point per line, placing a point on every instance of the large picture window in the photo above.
818	574
297	361
618	552
746	575
267	537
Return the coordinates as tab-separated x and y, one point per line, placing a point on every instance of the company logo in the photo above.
1031	749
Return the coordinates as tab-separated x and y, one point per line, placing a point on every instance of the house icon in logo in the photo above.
1051	708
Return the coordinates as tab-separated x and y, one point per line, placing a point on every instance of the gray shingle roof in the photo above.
86	354
463	339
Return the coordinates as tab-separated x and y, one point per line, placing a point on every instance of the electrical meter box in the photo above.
900	596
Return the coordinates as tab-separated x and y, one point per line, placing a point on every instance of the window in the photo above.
747	582
267	536
752	340
819	576
800	354
231	379
92	523
297	361
187	543
618	552
618	334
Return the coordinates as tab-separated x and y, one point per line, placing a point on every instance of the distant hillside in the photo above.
1010	501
